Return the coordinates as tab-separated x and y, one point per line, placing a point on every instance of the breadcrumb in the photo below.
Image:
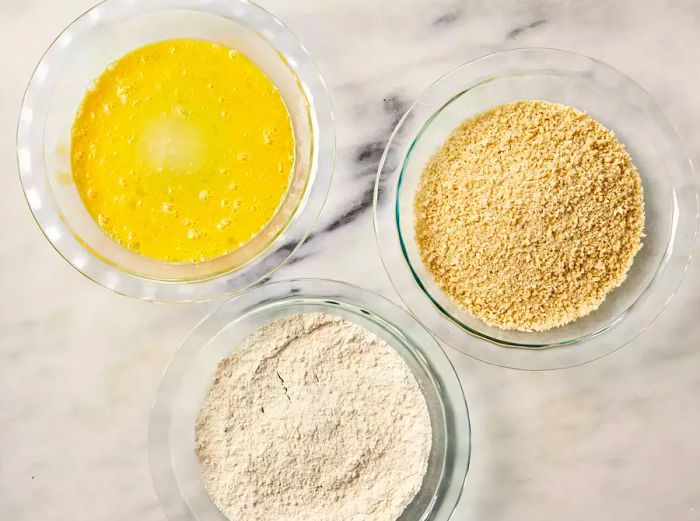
529	215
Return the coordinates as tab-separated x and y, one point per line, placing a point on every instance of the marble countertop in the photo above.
79	366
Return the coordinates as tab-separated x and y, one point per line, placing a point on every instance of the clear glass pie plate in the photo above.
173	462
621	105
80	54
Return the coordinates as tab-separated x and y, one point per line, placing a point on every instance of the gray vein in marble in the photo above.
396	105
365	164
298	256
514	33
368	156
446	19
358	207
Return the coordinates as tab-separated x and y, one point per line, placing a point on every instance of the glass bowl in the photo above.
81	53
174	467
618	103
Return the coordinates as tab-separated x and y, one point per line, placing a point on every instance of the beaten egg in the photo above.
182	150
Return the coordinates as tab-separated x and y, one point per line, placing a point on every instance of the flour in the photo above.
313	418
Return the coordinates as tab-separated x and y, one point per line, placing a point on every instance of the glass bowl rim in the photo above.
331	294
384	231
45	212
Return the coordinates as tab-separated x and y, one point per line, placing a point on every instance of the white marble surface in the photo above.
615	439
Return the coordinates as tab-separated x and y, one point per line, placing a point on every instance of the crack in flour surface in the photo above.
313	418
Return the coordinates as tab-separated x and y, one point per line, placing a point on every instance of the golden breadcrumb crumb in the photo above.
529	215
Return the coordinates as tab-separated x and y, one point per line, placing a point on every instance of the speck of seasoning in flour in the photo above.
529	215
313	418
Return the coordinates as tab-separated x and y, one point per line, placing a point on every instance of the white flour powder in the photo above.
313	418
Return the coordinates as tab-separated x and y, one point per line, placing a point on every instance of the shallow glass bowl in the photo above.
670	197
81	53
173	462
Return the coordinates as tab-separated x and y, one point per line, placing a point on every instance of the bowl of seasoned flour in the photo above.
309	399
535	209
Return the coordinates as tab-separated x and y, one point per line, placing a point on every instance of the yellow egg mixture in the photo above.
182	150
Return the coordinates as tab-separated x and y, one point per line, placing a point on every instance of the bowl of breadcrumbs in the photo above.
535	209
